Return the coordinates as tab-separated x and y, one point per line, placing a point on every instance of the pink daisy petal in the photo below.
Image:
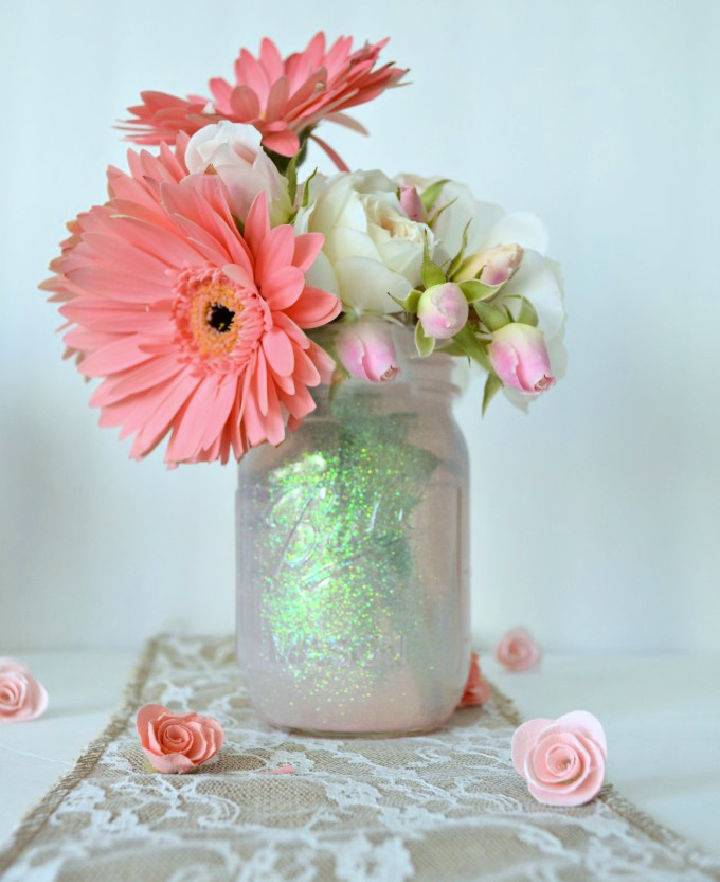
278	351
297	92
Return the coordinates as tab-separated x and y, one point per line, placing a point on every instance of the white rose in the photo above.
373	248
234	152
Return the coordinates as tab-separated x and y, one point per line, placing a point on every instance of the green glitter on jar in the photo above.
339	522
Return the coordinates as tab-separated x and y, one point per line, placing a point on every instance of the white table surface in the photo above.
661	714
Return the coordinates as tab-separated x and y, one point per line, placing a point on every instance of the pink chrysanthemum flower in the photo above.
197	329
280	97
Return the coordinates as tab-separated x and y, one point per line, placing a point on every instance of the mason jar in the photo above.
353	558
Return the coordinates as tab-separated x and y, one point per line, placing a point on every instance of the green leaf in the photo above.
493	385
475	290
430	195
423	343
471	346
491	316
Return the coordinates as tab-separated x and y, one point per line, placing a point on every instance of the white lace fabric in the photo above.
445	807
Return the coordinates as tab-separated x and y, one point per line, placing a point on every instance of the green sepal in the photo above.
291	175
423	343
410	303
452	347
430	273
475	290
306	188
493	317
412	300
527	314
493	385
430	195
458	259
471	346
436	215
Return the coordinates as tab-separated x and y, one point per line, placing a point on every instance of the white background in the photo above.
595	518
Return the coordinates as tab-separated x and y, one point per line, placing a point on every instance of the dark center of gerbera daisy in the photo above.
220	317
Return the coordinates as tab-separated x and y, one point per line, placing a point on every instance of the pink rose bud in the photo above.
477	689
518	650
493	266
518	356
175	743
21	696
411	203
563	761
367	351
443	311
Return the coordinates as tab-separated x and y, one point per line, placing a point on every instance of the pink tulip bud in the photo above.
443	311
411	204
518	356
493	266
367	351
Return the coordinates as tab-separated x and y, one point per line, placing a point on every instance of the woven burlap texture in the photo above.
443	807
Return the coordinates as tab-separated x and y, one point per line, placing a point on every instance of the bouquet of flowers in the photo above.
196	290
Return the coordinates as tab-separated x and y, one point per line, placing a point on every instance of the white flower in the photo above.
373	248
233	151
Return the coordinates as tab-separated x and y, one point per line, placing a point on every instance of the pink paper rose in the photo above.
518	651
477	689
175	743
563	761
21	696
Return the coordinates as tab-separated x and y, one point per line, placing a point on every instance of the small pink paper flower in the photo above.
21	696
518	651
563	761
477	689
177	743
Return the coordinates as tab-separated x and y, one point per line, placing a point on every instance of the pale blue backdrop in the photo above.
595	518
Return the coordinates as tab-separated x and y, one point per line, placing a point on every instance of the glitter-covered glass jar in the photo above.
352	558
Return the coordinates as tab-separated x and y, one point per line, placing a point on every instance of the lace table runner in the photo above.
438	808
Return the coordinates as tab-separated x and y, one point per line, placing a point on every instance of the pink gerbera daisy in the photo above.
280	97
197	329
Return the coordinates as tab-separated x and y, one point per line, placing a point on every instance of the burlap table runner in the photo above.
439	808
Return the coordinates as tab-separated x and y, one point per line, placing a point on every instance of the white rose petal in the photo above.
366	285
526	229
322	275
234	152
536	279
